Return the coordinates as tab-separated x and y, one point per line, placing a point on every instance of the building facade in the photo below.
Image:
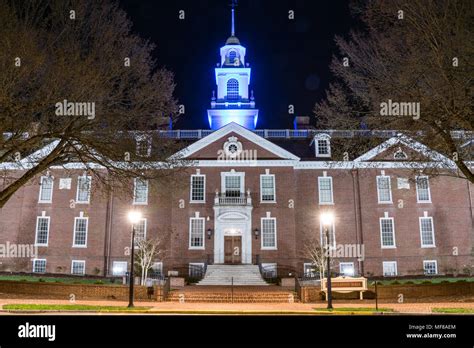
252	196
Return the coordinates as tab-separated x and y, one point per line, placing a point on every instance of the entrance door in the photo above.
232	249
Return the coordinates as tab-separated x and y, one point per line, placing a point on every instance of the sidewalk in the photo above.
248	308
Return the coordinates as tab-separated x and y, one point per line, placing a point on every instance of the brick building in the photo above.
253	196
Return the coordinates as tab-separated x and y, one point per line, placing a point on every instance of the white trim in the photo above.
274	188
319	190
429	190
41	189
394	246
78	261
74	245
432	232
275	247
115	264
135	192
45	264
305	264
244	132
351	264
436	266
198	174
203	247
327	139
145	225
233	173
77	190
389	262
43	216
389	188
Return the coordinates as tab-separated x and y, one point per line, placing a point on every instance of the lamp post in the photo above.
134	217
327	220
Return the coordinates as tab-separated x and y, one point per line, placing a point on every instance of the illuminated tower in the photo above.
232	103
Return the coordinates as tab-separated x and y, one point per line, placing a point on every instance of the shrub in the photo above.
426	282
99	282
395	282
461	281
41	280
409	282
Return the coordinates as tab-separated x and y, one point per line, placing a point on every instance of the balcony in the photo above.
232	199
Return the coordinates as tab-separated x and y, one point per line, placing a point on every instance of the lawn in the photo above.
78	280
436	280
454	310
73	307
353	309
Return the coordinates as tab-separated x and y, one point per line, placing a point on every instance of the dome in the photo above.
232	40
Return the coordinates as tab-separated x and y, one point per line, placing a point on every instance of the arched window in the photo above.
232	89
232	56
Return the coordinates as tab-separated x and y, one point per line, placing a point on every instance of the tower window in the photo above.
232	89
232	56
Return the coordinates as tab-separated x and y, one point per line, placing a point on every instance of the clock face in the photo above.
233	147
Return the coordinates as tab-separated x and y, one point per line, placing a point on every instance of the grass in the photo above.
74	307
354	309
454	310
436	280
78	280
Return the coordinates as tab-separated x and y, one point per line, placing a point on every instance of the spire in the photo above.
234	4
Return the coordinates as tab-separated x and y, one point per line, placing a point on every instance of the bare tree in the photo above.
318	255
78	83
408	68
148	251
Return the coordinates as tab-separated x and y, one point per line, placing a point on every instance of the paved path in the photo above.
419	307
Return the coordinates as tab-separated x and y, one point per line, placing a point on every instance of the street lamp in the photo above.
134	217
327	221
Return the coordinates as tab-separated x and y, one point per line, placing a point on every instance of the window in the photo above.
423	189
39	265
346	269
267	188
309	270
233	89
157	268
42	230
140	231
384	191
83	189
46	190
143	143
389	268
119	268
269	233
78	267
196	233
196	269
233	184
325	190
80	232
198	188
430	267
322	145
332	236
427	232
400	155
232	56
269	270
387	232
140	192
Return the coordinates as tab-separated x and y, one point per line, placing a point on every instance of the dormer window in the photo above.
400	155
143	143
322	145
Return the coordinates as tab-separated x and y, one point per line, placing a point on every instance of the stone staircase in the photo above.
239	294
248	275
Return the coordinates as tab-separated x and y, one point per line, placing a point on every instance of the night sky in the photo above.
289	58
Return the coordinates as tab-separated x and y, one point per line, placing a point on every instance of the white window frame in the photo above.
78	188
115	264
275	247
391	263
379	188
394	246
272	266
191	200
309	264
41	190
74	245
203	247
327	139
432	232
78	261
261	188
157	265
322	235
233	173
36	230
143	138
135	192
201	264
145	226
430	261
417	190
350	264
34	263
319	190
